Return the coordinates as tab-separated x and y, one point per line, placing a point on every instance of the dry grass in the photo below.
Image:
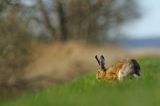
59	62
15	46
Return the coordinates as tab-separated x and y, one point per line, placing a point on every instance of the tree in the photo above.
89	20
92	20
15	45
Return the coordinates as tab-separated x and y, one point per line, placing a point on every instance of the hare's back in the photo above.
117	66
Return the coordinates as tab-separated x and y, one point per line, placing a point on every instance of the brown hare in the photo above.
123	69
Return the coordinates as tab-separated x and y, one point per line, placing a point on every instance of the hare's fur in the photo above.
119	71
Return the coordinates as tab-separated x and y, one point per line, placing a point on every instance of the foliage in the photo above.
89	20
15	45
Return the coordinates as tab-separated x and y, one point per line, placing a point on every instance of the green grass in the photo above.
87	91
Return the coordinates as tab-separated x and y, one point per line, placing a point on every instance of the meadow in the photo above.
87	91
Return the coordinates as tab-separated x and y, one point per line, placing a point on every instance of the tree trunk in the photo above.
62	21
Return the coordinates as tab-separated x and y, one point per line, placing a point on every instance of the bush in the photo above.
15	44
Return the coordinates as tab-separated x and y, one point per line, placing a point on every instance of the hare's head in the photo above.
100	75
101	72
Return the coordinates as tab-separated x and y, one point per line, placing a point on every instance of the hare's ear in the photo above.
102	62
97	59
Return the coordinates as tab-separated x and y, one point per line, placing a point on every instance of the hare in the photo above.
120	70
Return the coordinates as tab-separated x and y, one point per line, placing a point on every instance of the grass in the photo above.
87	91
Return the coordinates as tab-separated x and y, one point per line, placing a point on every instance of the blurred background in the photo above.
48	42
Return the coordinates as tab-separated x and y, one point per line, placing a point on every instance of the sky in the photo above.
149	23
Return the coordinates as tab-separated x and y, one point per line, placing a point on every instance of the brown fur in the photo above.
112	72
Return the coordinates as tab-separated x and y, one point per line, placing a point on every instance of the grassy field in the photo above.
87	91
